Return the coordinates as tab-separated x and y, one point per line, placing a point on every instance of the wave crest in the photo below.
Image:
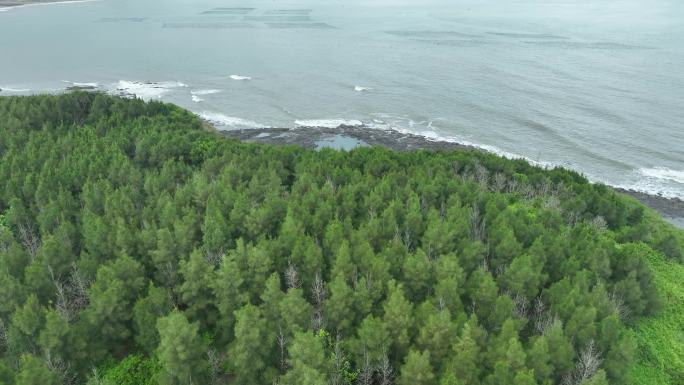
146	90
204	92
225	121
328	123
663	173
10	89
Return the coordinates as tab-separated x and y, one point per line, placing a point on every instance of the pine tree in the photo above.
34	371
146	312
112	296
307	362
195	291
524	276
252	349
271	300
180	351
216	233
228	290
563	353
538	360
339	308
165	258
29	318
295	311
437	335
417	370
398	319
465	357
373	339
53	336
417	275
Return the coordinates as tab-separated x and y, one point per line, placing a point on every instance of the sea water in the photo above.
595	86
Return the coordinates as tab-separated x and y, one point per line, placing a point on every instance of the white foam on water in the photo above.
204	92
5	9
651	187
240	77
327	123
77	84
173	84
17	90
146	90
437	137
663	173
226	121
361	89
661	181
197	99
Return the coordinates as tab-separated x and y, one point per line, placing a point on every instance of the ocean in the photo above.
594	86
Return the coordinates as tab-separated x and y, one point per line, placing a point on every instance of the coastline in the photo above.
349	137
6	5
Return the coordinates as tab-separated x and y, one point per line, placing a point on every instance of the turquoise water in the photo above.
596	86
340	142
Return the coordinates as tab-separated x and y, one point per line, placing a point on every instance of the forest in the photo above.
139	247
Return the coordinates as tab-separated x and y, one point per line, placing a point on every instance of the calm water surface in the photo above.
597	86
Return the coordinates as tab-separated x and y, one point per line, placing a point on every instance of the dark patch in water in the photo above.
230	11
207	25
528	35
276	18
560	138
300	26
340	142
289	12
121	20
587	45
429	34
456	42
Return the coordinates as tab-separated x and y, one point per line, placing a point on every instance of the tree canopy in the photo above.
137	247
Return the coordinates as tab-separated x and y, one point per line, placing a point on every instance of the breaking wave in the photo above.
663	173
10	89
229	122
204	92
145	90
328	123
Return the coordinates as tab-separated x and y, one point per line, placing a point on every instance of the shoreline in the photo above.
349	137
9	5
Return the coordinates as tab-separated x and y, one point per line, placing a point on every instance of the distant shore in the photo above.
349	137
22	3
18	3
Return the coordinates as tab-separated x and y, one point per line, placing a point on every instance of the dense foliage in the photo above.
138	248
660	343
